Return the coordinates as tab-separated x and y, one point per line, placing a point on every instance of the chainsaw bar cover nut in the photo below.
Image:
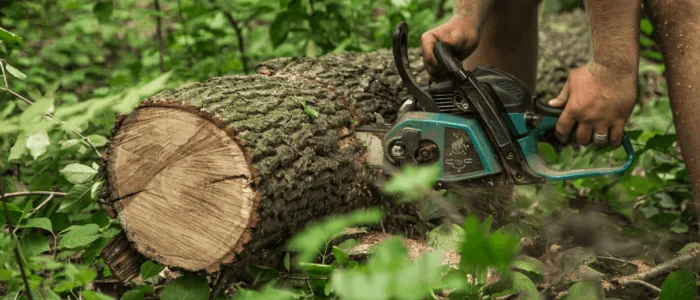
397	151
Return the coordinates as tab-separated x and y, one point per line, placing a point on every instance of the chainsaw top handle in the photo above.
400	51
447	59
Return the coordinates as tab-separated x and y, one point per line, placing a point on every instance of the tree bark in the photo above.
221	173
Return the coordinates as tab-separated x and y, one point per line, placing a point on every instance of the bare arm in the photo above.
475	10
615	33
600	96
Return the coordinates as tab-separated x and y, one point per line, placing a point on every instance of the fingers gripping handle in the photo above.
447	59
538	165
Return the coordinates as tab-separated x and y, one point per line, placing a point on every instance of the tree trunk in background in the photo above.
223	172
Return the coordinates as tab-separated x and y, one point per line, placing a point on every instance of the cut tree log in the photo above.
221	173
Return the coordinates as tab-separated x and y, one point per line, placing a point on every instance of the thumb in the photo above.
560	101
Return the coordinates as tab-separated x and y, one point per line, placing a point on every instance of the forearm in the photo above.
475	10
615	33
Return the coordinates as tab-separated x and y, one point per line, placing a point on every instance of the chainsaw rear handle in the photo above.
538	165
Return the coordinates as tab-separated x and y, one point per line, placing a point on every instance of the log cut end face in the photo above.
181	187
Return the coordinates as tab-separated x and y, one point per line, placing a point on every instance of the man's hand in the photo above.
461	33
598	100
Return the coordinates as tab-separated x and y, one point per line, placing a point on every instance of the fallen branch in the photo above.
642	277
644	283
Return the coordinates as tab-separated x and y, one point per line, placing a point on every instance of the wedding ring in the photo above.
600	137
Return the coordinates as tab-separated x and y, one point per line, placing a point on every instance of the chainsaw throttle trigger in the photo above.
447	59
542	108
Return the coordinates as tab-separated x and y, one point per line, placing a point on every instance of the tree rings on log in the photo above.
182	187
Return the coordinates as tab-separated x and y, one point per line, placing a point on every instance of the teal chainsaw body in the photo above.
478	124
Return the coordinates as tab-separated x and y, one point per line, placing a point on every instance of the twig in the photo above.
644	283
35	193
655	271
159	36
4	76
221	282
671	188
241	41
42	203
47	114
190	55
18	255
616	259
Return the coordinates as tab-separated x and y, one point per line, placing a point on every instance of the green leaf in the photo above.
6	274
101	218
316	270
14	212
34	243
90	295
279	29
586	290
186	288
133	97
45	294
525	286
60	221
390	274
150	269
18	149
548	152
679	227
93	251
103	10
97	140
287	265
96	188
653	55
77	173
79	235
496	250
313	237
308	109
340	255
68	144
14	72
679	285
446	240
412	181
10	37
686	249
646	27
266	293
263	274
661	142
133	295
41	223
37	143
85	276
530	265
78	198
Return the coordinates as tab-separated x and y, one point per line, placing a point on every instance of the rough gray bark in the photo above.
304	168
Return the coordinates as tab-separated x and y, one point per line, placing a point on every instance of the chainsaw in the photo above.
479	126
